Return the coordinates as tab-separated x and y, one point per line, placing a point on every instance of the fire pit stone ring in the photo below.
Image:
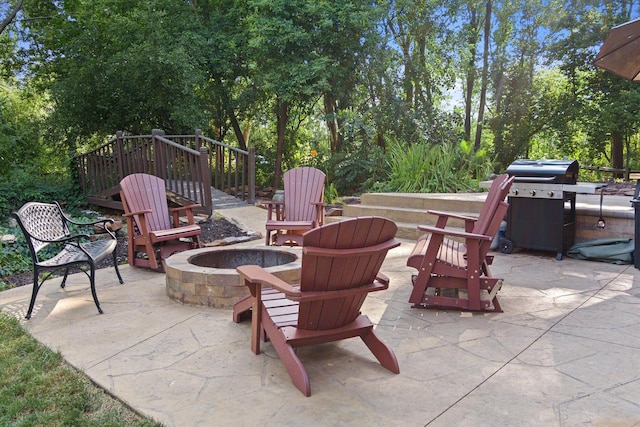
208	277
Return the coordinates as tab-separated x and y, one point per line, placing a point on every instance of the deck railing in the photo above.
604	173
189	164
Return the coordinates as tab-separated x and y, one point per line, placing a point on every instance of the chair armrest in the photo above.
142	212
382	279
319	212
443	217
104	221
68	239
256	275
102	224
185	208
452	215
141	222
279	210
454	233
175	214
351	252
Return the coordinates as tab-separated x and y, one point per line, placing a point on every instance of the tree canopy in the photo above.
346	80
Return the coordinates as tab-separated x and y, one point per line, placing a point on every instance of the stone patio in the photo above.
564	352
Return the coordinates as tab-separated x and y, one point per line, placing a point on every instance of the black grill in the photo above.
542	205
545	171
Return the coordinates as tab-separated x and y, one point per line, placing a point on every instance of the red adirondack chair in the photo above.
151	231
340	266
461	268
301	210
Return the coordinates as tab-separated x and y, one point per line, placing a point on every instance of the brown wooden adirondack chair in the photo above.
150	228
301	210
340	266
461	268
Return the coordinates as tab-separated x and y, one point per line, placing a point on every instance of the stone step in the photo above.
406	230
411	217
409	210
451	202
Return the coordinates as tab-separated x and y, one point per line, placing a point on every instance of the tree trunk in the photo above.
11	16
283	119
617	152
240	136
330	113
471	73
485	68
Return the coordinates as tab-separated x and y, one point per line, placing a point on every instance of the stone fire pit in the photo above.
208	276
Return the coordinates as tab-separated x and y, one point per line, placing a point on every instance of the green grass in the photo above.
37	387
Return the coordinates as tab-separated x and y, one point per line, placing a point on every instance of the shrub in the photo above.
421	168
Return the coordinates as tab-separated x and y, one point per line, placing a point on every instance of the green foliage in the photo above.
422	168
15	257
331	195
373	73
355	171
37	388
31	186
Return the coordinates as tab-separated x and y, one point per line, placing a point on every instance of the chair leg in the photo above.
131	248
151	253
115	265
64	279
241	307
381	351
93	288
294	367
34	293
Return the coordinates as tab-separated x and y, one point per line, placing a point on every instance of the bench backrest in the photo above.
41	222
344	255
140	192
303	186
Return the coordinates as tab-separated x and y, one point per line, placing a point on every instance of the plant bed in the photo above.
213	229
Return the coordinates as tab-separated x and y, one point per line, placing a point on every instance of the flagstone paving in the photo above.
565	351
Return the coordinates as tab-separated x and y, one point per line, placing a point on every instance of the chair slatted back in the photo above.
497	193
340	270
39	222
141	192
493	227
302	187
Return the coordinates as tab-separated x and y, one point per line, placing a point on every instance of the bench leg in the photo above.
115	264
34	293
93	288
64	279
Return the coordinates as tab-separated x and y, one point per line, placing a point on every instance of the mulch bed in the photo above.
212	230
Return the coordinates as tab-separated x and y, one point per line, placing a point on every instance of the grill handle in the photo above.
550	179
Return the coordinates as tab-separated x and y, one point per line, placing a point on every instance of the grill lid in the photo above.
545	171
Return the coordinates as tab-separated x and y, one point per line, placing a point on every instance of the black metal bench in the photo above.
46	225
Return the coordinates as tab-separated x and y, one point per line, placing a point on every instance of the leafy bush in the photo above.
15	257
30	186
355	171
421	168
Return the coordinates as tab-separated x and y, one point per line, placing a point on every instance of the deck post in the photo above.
157	168
119	153
205	174
198	136
251	160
